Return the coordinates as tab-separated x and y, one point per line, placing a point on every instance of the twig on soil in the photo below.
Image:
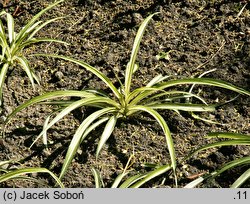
206	62
17	11
194	176
238	15
5	3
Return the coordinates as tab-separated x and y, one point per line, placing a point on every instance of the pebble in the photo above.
59	75
2	119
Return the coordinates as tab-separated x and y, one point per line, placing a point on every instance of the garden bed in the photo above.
186	39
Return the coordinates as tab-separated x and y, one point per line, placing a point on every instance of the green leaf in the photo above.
49	96
156	80
34	19
98	178
131	180
203	74
245	176
3	73
228	135
25	65
12	50
184	107
39	40
2	163
232	164
3	39
38	28
10	24
164	127
19	172
45	138
16	46
73	106
194	183
204	119
154	98
141	91
229	165
28	31
118	180
88	67
131	65
149	176
220	144
93	126
198	81
77	138
204	81
106	133
136	67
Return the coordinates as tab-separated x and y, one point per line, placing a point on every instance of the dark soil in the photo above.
187	38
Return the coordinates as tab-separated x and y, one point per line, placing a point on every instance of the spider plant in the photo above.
10	174
124	102
13	44
232	139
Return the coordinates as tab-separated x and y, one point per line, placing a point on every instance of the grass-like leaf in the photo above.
77	138
198	81
38	27
149	176
26	28
227	166
228	135
98	178
131	180
118	180
131	63
12	44
19	172
164	127
194	183
90	68
2	78
10	24
223	143
93	126
245	176
49	96
106	133
71	107
25	64
184	107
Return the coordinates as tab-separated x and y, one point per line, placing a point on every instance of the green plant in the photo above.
232	139
12	44
10	174
122	102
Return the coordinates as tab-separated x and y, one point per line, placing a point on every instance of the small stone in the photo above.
2	119
137	18
59	75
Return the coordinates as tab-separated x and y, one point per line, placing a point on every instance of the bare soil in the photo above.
186	39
